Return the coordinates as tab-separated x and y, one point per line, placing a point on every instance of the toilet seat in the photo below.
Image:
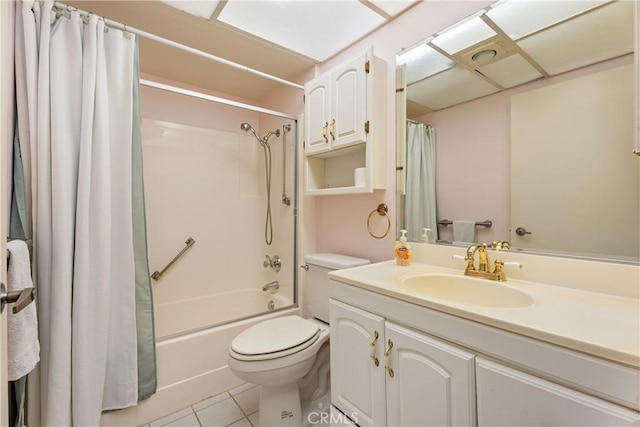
275	338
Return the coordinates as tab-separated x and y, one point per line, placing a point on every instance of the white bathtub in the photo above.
193	366
197	313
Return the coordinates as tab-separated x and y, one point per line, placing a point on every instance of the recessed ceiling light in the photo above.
484	55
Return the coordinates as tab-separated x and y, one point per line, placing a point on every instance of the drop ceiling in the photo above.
512	43
284	38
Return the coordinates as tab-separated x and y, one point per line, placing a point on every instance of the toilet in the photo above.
277	353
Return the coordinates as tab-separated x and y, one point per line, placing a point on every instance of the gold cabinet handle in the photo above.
387	356
372	344
324	132
331	129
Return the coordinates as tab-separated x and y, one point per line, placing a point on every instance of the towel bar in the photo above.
487	223
19	299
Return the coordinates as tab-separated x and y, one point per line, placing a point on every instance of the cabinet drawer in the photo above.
507	397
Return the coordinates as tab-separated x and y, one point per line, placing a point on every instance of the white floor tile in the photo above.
253	419
171	418
188	421
220	414
242	423
248	400
241	388
210	401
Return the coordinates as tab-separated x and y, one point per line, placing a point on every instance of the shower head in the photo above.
248	128
264	140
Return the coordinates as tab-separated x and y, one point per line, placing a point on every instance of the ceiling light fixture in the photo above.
484	55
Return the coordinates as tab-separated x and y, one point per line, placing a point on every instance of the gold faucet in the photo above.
483	269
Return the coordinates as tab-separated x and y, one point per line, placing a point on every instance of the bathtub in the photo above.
197	313
193	366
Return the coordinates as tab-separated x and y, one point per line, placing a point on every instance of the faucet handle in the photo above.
502	244
512	264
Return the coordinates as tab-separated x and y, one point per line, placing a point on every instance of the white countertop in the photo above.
607	326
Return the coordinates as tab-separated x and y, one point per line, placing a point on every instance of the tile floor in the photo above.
236	408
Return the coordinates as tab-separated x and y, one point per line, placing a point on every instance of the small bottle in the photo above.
425	235
403	250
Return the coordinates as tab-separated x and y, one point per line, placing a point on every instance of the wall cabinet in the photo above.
442	374
345	127
385	374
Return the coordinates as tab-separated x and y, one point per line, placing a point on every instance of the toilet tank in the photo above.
316	291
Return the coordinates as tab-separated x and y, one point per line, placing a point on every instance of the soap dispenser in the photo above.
425	235
403	250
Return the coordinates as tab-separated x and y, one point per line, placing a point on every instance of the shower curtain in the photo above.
420	199
80	144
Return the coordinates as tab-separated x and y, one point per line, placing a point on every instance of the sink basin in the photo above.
467	290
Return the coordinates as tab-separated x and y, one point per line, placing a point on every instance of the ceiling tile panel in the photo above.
459	37
423	61
519	18
316	29
511	71
449	88
599	35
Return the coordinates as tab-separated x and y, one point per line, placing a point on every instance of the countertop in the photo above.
602	325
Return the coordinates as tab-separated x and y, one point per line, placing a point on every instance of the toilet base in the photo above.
280	406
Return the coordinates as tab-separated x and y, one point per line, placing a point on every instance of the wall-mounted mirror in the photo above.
518	124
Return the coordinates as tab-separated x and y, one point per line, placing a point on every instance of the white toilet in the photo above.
277	353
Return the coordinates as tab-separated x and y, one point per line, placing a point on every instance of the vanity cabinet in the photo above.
449	370
344	127
383	373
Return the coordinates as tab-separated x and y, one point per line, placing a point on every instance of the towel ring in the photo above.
382	210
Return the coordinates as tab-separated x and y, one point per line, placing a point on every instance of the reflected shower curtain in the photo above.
75	82
420	199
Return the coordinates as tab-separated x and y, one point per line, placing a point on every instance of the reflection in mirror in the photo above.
531	107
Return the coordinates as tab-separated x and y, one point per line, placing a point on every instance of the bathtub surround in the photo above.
77	128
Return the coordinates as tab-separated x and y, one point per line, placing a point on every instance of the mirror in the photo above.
530	110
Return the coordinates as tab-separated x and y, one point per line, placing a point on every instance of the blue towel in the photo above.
464	231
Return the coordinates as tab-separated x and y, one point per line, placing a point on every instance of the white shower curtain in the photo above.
75	104
420	199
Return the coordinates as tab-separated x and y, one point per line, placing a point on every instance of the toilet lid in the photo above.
276	337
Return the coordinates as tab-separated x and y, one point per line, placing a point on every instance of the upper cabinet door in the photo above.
432	382
317	112
349	103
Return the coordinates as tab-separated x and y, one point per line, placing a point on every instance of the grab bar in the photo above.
158	274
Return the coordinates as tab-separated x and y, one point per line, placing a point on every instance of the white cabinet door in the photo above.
317	108
357	382
349	103
507	397
432	383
